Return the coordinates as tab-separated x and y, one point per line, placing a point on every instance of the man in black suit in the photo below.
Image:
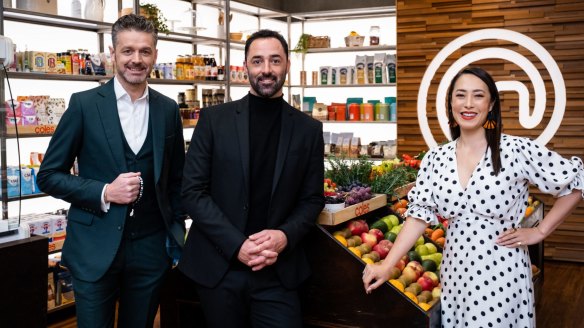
125	202
253	187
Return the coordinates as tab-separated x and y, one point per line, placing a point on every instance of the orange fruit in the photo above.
424	306
437	234
428	232
440	241
397	284
411	296
367	260
528	211
403	202
341	240
355	251
401	211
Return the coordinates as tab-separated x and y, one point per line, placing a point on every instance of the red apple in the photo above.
369	239
416	266
401	264
382	249
357	227
426	283
377	233
433	276
406	259
409	274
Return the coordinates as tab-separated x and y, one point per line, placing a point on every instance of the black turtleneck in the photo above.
264	134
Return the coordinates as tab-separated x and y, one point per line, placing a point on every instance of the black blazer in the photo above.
90	130
216	191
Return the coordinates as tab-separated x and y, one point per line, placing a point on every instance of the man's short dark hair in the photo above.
133	22
265	34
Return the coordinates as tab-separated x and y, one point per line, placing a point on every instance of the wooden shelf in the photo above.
61	307
57	77
359	122
25	16
30	131
377	85
350	49
24	197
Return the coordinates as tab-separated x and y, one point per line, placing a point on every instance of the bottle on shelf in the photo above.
179	68
374	35
214	69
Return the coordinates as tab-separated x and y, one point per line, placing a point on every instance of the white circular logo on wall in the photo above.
527	120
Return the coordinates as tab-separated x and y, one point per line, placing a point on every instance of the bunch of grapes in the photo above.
337	198
357	194
350	187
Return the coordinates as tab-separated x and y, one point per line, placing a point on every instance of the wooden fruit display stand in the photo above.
334	295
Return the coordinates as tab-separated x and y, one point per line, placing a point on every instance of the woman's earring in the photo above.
490	124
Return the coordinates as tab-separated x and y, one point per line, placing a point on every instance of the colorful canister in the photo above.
381	112
332	114
340	110
354	112
368	113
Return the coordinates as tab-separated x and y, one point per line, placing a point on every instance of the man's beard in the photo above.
267	91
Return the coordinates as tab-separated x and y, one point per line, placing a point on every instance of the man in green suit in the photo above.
125	211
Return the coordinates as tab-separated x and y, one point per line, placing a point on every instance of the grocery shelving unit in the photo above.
223	44
304	21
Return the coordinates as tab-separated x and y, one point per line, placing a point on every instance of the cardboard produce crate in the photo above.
353	211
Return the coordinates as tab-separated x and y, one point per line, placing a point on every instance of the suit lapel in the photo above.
242	123
157	124
108	111
284	142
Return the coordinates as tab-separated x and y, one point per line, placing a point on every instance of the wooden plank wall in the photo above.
424	27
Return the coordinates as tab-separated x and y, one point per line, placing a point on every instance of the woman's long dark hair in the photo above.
493	135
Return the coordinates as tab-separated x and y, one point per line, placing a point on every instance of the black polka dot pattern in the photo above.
484	285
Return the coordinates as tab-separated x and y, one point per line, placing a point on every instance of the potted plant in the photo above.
153	13
302	45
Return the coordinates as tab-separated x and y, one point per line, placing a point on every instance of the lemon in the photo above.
341	240
397	284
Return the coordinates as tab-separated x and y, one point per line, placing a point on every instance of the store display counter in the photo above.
24	282
332	297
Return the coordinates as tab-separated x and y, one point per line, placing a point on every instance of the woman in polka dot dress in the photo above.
480	183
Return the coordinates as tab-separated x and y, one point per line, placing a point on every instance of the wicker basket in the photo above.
319	42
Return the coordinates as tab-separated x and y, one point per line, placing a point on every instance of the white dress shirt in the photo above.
134	120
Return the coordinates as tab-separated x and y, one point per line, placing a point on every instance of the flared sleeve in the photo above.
421	204
547	170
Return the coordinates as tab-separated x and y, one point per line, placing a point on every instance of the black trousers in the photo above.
250	299
134	279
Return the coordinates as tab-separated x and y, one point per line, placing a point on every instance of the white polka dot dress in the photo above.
485	285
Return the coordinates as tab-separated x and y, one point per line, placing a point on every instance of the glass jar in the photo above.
374	35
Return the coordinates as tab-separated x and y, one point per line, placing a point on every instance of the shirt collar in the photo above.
121	92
